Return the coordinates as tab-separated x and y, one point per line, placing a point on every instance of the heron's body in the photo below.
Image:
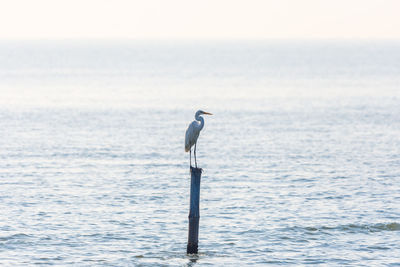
193	132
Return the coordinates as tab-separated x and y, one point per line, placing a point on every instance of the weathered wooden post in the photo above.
194	213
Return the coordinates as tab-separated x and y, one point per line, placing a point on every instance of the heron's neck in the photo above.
200	118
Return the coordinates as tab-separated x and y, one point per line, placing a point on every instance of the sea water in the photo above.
301	159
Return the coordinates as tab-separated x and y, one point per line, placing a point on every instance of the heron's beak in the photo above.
207	113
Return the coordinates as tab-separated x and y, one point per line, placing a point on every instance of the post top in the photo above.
196	170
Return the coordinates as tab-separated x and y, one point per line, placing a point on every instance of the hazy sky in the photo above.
205	19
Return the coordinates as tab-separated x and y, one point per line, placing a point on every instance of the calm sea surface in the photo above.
301	158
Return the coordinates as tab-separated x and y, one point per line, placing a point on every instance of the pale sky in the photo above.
203	19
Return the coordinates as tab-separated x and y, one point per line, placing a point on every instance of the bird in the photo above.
192	134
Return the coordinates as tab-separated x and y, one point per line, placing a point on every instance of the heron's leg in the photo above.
195	160
190	157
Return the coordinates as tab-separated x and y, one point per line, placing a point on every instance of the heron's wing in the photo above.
191	136
188	138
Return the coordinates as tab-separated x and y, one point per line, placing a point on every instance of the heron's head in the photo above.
200	112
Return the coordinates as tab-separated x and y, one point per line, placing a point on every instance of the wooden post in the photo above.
194	213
